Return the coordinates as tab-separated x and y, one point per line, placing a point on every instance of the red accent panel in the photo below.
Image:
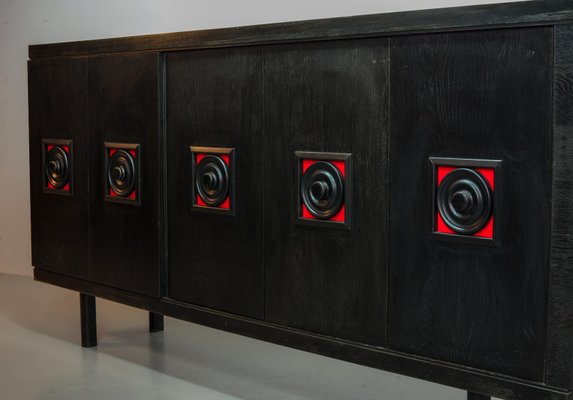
133	153
341	166
306	213
487	231
226	204
132	195
442	227
111	152
442	172
489	176
306	164
339	217
51	146
65	188
200	156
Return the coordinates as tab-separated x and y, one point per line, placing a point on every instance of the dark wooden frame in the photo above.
496	165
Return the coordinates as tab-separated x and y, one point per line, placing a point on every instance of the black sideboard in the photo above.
393	190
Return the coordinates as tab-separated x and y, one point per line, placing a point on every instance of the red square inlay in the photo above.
341	166
226	204
489	176
66	148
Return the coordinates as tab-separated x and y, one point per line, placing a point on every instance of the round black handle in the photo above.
56	167
121	173
322	190
462	201
212	180
465	201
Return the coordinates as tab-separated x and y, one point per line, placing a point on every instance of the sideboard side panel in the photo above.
559	360
57	110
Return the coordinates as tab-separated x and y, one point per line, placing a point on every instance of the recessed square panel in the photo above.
213	179
121	173
465	194
57	163
323	189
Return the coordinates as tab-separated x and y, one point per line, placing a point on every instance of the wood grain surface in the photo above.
57	110
559	362
484	95
327	97
214	99
124	108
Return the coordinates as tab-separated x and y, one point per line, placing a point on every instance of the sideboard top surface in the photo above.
525	13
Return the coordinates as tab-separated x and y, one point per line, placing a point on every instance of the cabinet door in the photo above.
60	213
475	95
123	119
327	97
214	106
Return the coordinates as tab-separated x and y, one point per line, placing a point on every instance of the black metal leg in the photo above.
155	322
88	320
475	396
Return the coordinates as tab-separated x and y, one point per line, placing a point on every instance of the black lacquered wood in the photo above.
478	95
320	279
124	108
214	99
559	358
88	320
57	111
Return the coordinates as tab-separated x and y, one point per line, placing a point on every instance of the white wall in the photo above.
25	22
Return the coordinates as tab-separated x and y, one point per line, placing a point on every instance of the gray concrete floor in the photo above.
41	358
